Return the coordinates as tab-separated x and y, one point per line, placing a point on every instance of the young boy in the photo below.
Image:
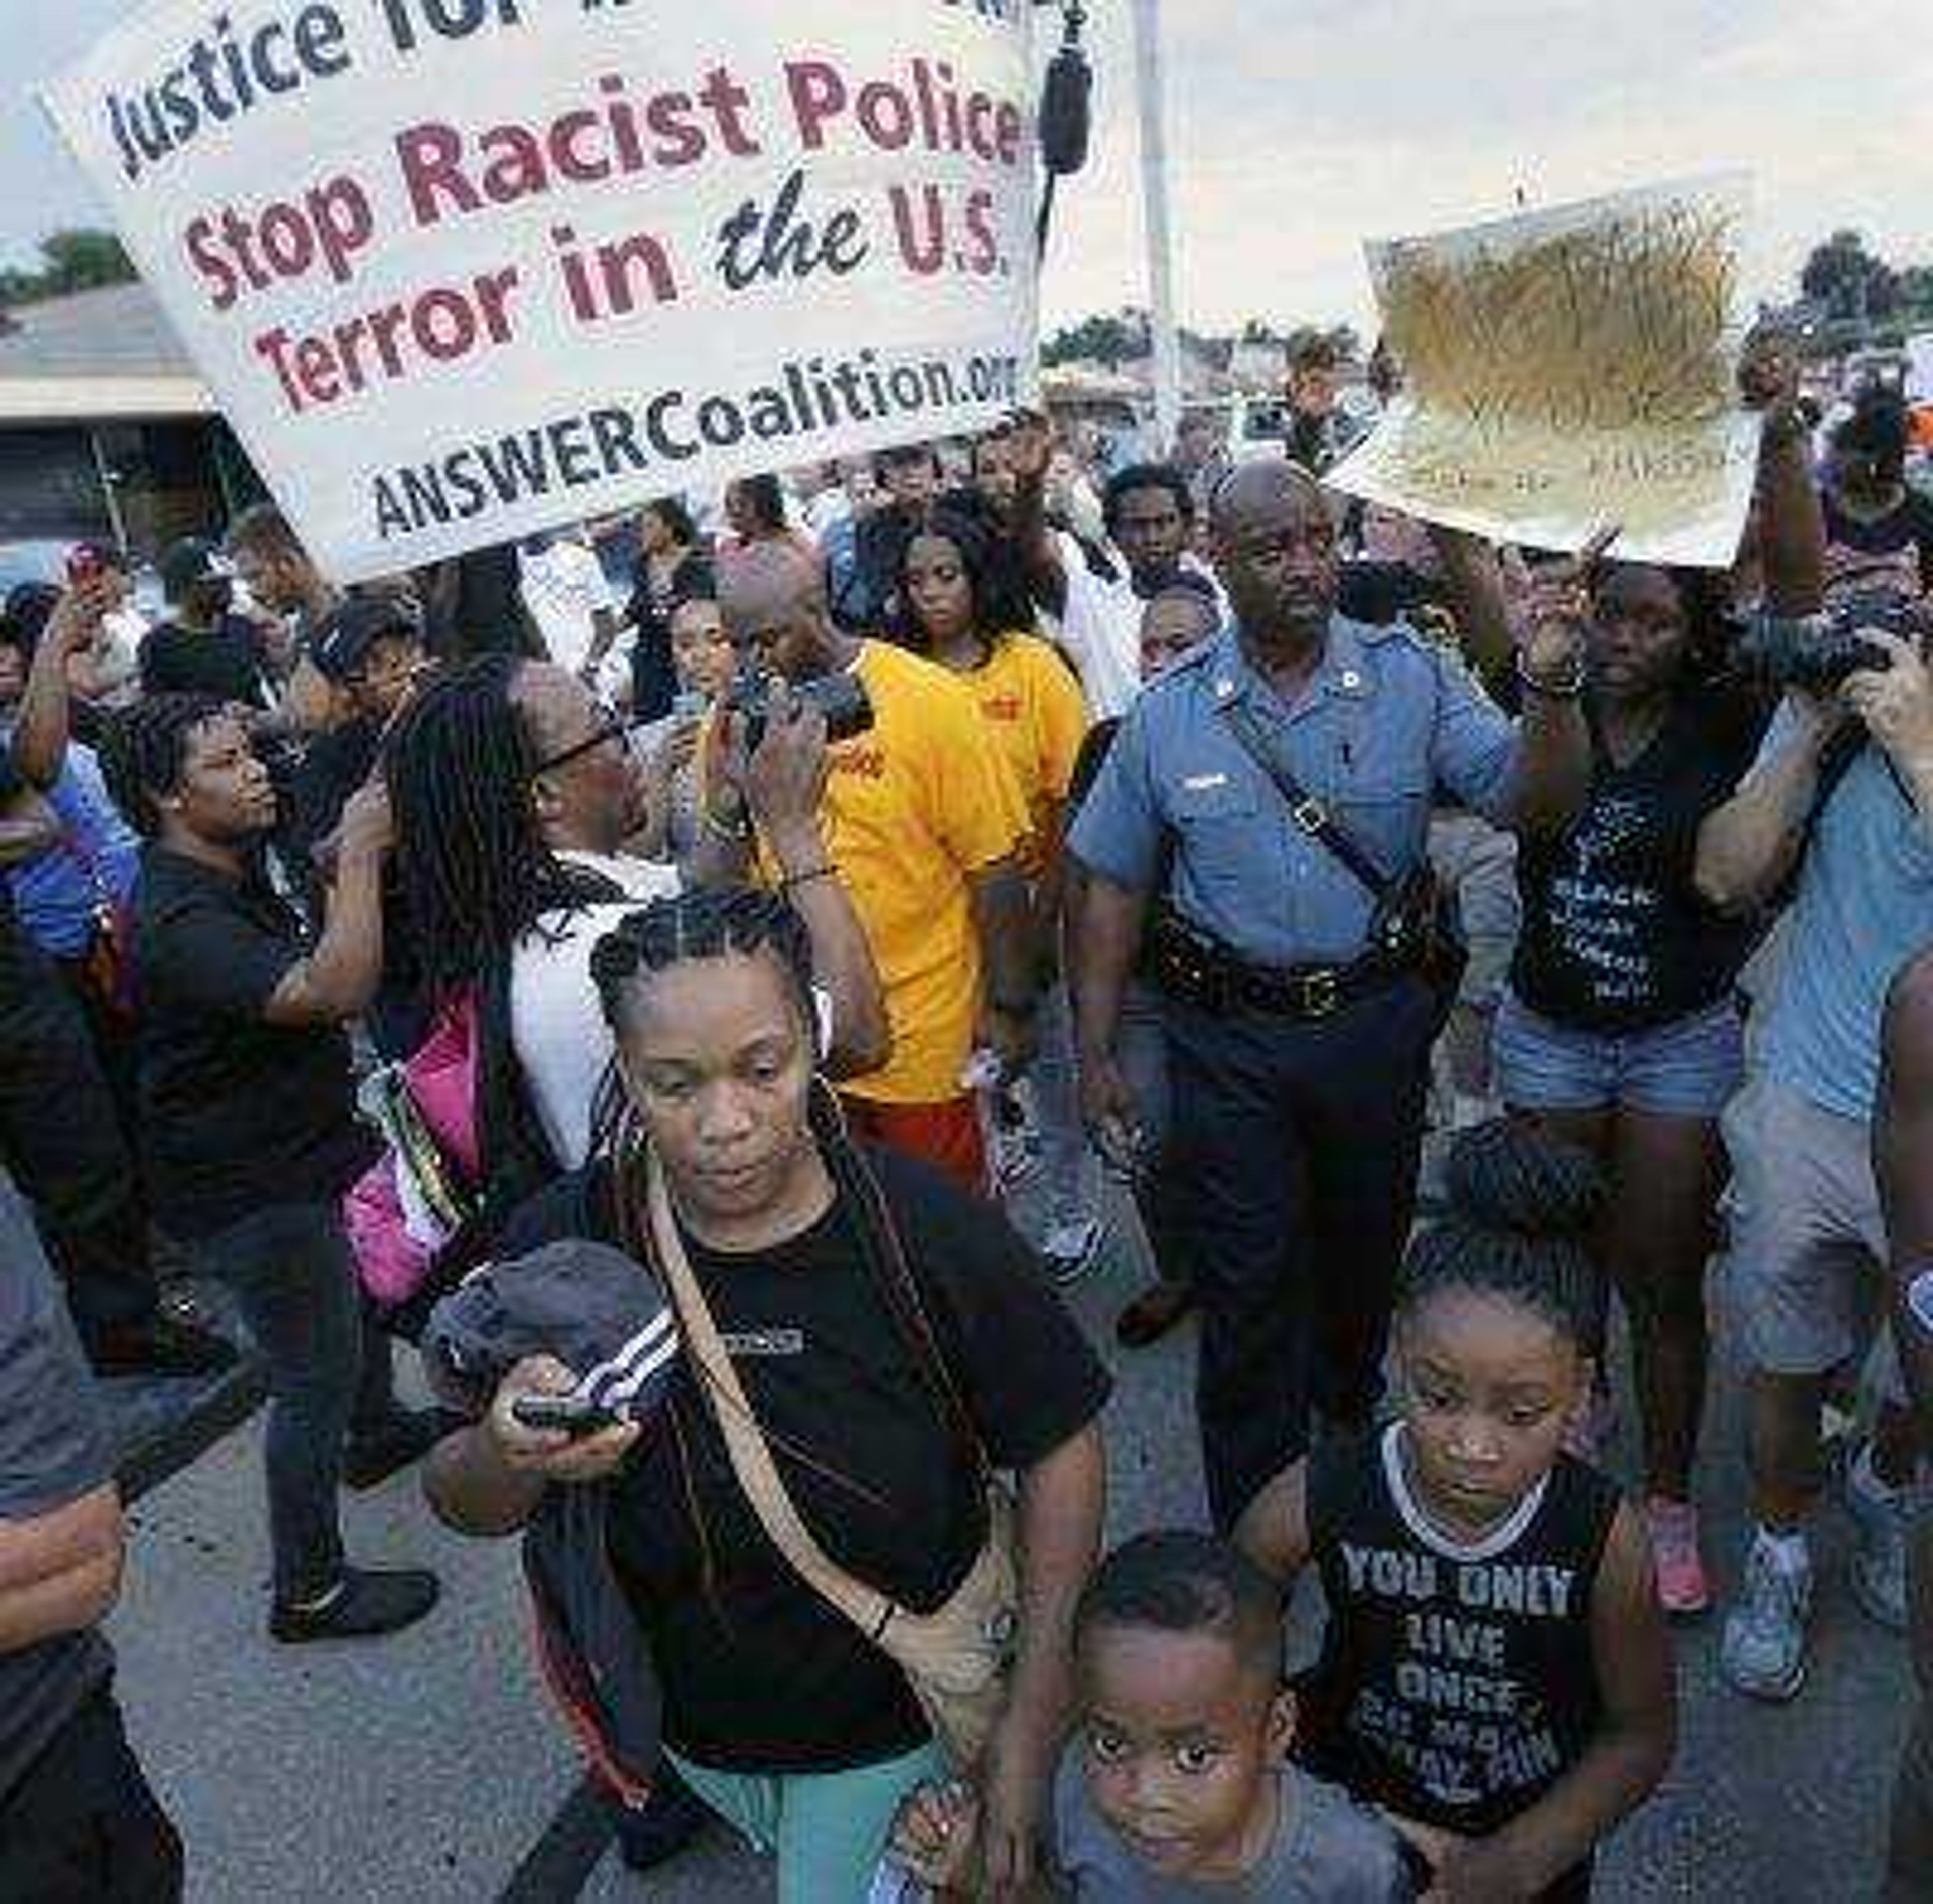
1178	1786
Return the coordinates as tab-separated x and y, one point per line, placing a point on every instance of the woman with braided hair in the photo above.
891	1334
248	1130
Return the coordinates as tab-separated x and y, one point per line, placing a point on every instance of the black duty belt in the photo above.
1198	969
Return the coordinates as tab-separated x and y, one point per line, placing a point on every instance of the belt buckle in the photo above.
1318	994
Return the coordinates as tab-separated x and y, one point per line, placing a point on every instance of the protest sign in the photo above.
460	270
1568	369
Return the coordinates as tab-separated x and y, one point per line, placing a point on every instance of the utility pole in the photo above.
1167	343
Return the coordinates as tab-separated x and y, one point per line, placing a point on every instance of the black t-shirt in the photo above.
236	1114
653	678
1456	1684
758	1673
226	661
333	766
1909	526
1615	937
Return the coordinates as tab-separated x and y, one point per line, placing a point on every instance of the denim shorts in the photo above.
1690	1068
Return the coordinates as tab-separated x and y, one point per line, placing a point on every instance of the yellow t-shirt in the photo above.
1032	708
911	809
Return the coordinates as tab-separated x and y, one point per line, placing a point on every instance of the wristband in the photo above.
791	880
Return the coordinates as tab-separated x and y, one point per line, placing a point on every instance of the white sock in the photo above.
1788	1549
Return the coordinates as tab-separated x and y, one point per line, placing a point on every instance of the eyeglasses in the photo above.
615	727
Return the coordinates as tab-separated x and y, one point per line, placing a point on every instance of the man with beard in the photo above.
1298	1024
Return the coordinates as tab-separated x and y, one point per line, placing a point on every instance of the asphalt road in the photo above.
426	1770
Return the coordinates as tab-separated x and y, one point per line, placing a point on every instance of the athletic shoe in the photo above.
1015	1141
1682	1587
1764	1652
1879	1561
365	1605
1071	1250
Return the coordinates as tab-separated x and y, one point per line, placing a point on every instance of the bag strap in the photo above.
1308	812
872	1612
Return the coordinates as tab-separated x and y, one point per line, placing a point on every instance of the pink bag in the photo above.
408	1205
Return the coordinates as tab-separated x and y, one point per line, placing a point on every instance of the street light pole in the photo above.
1154	212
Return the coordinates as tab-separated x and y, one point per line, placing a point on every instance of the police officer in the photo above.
1299	1025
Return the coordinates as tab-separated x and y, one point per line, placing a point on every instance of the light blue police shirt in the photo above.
1386	723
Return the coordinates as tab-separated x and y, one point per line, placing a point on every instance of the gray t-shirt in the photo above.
51	1452
1327	1850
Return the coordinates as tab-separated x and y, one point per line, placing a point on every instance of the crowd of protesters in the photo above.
707	981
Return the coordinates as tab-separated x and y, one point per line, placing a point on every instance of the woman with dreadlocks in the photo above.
516	795
893	1338
248	1131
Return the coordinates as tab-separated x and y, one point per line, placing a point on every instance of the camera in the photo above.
1817	652
841	700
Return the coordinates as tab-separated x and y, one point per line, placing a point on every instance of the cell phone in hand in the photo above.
577	1415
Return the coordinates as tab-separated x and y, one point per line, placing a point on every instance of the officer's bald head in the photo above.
1263	487
1275	550
772	600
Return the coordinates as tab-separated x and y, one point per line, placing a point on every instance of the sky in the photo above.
1298	128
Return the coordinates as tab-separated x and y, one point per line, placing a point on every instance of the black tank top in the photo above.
1457	1684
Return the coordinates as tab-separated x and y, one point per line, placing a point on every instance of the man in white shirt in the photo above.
565	590
1097	596
514	795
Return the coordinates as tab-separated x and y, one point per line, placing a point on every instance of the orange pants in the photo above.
946	1135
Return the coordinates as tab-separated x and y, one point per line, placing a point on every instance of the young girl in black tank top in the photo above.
1495	1673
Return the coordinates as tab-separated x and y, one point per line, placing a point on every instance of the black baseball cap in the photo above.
193	559
341	641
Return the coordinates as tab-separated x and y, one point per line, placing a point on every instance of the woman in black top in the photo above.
1879	533
774	1705
674	570
1620	1033
249	1132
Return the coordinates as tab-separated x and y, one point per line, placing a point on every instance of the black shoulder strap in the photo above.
1308	812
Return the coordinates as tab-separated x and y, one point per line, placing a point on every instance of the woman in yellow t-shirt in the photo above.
1029	698
1030	703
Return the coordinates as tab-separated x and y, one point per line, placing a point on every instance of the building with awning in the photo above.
105	429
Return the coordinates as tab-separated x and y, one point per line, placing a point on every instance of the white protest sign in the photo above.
460	269
1569	369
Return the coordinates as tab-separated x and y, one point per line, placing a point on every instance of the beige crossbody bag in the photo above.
956	1659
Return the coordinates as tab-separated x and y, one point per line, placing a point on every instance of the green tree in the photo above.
1848	280
1111	341
76	260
